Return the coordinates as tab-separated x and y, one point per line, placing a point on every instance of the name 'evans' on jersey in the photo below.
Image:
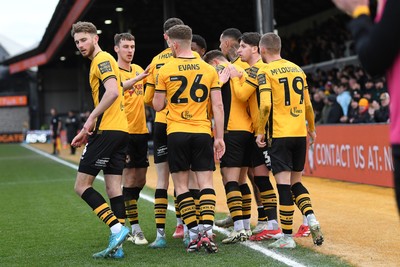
188	67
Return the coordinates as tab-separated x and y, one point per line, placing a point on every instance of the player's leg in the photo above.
234	202
246	199
134	179
113	154
286	211
161	195
300	192
202	163
179	160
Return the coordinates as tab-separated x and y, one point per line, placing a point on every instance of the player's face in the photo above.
126	50
244	51
224	45
85	42
197	48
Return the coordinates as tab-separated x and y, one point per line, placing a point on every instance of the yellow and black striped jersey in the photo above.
187	83
291	105
134	103
236	111
249	90
102	68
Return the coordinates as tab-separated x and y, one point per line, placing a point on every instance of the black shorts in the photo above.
137	151
288	154
260	156
237	149
55	134
160	142
105	150
190	151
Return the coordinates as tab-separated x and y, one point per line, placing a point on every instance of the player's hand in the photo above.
234	72
219	148
224	75
260	140
142	75
80	139
313	136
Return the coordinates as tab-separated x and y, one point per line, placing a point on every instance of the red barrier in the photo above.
355	153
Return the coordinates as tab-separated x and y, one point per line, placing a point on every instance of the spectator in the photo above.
380	88
353	110
318	104
336	112
363	115
72	124
382	114
343	98
355	88
369	91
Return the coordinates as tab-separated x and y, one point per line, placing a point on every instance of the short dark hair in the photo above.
251	38
169	23
83	26
123	36
180	32
271	42
210	55
232	33
199	40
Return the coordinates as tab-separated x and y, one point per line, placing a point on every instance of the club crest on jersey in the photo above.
295	112
104	67
186	115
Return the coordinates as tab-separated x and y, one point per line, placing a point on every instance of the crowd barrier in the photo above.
354	153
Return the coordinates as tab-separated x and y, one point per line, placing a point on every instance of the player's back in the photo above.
188	82
289	87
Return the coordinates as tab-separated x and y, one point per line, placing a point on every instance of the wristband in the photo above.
360	10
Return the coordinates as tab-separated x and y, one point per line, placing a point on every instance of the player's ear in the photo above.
96	38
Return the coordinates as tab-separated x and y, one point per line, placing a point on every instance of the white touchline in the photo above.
252	245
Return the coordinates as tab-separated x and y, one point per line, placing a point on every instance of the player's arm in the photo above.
218	113
309	114
129	83
111	94
242	86
150	86
159	99
264	109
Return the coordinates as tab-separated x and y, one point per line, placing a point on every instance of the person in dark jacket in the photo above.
378	48
336	111
72	124
382	114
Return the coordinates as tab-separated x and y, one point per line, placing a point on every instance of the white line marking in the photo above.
252	245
